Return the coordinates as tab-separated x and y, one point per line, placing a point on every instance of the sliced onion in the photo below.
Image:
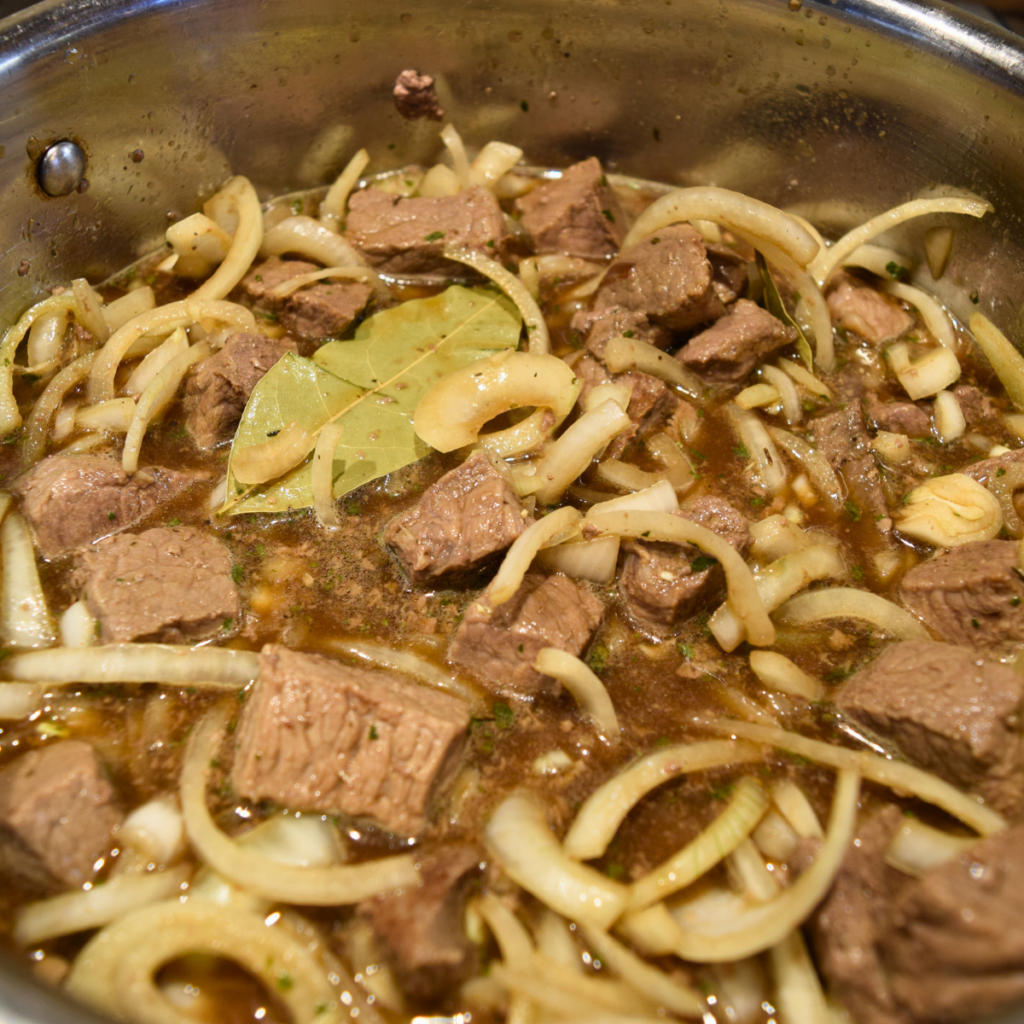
537	340
25	620
949	511
154	832
364	274
606	808
757	396
440	180
19	700
239	197
949	417
589	692
135	663
77	627
553	528
494	161
322	475
624	476
333	205
794	806
199	243
938	245
1004	357
812	312
89	310
819	469
513	939
780	674
931	373
114	416
918	848
935	317
593	560
337	885
798	994
260	463
775	536
622	355
659	498
770	469
877	259
787	392
38	425
155	361
849	603
46	336
128	307
743	596
460	162
714	844
806	378
528	852
1004	487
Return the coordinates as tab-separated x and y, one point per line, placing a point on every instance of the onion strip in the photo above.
850	603
332	206
818	468
896	775
743	596
37	426
25	620
509	932
935	317
1003	355
307	237
528	852
238	194
606	808
590	693
622	355
335	885
322	475
551	529
364	274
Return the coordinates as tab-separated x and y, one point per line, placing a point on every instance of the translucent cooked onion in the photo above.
154	832
337	885
155	399
572	453
775	583
606	808
806	378
1007	362
524	436
114	416
775	536
743	596
260	463
745	809
116	971
757	396
537	340
589	692
76	626
949	511
620	394
812	312
528	852
306	237
678	471
949	417
46	336
135	663
239	198
781	237
621	355
931	373
896	775
791	406
200	244
935	317
163	318
593	560
754	437
19	700
89	310
917	848
624	476
452	413
334	204
877	259
778	673
850	603
818	468
762	926
938	245
798	994
457	150
83	910
513	939
25	620
794	806
364	274
553	528
828	259
1004	487
155	361
322	475
659	498
494	161
128	307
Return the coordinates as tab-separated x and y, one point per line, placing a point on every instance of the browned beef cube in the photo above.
948	711
651	405
977	407
73	500
317	735
667	277
577	214
172	586
57	812
899	417
421	930
852	918
501	644
954	949
867	313
841	435
597	327
415	96
218	387
665	584
971	595
325	309
728	350
729	270
464	519
400	235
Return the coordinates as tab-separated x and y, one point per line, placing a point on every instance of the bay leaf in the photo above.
372	385
774	304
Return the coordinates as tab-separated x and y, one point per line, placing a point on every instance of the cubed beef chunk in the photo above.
73	500
729	270
318	735
598	326
979	410
57	811
168	585
865	312
415	97
840	435
989	469
218	387
948	711
400	235
972	595
325	309
501	644
851	919
577	213
899	417
954	949
667	277
466	518
665	584
728	350
421	930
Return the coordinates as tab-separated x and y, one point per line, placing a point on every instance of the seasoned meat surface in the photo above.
318	735
866	312
576	214
470	515
218	387
401	235
168	585
947	710
499	645
971	595
57	813
598	326
71	501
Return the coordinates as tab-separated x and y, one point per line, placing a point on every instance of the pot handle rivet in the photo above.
61	168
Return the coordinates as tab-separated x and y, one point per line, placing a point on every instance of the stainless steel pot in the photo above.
843	107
